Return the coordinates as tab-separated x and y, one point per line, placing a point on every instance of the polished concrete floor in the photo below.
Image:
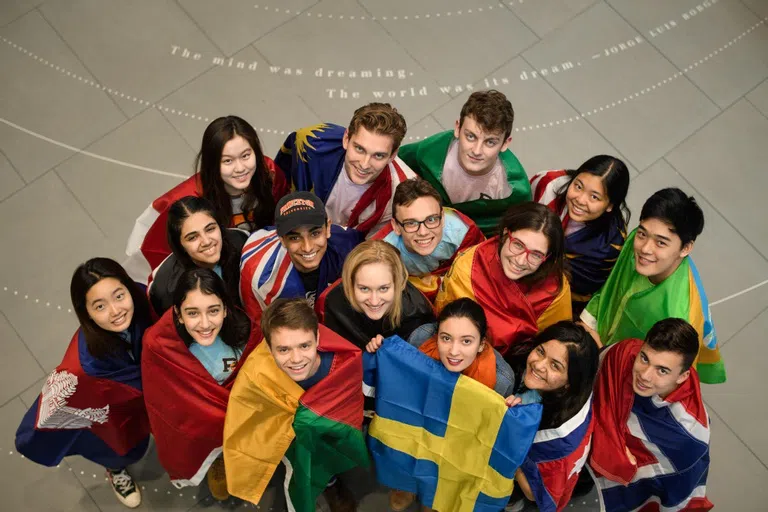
103	104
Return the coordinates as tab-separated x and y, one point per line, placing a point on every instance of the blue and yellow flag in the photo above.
447	438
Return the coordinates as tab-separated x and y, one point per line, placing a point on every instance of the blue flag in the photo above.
442	435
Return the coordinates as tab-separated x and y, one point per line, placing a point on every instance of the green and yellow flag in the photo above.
315	433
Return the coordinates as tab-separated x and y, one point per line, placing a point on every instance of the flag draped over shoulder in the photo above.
267	272
668	437
515	312
556	458
628	306
592	251
316	433
427	159
444	436
89	407
148	243
186	405
429	284
312	159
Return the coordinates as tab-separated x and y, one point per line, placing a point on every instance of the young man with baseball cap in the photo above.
299	257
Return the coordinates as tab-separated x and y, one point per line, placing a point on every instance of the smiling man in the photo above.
300	257
471	166
655	278
298	401
650	446
355	170
427	235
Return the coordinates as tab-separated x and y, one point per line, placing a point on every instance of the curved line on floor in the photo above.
88	153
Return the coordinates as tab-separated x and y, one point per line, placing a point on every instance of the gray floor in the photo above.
104	103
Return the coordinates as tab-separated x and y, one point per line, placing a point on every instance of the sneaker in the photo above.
515	506
125	490
217	480
339	498
400	500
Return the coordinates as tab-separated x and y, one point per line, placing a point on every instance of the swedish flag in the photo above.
442	435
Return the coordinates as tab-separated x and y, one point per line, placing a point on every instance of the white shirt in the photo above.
462	187
344	196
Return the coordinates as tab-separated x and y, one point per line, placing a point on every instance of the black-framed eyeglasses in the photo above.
412	225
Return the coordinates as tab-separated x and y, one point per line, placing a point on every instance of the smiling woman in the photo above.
517	277
374	297
590	202
92	404
232	173
191	358
197	241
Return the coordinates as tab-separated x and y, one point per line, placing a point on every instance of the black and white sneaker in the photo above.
125	490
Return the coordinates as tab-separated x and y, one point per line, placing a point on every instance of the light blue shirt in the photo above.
529	396
454	231
218	358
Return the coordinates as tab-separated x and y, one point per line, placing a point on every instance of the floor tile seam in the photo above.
17	18
755	106
273	29
508	7
197	25
664	55
659	84
404	49
721	214
32	354
712	410
82	151
589	123
747	324
580	115
77	56
750	9
181	137
13	166
32	181
77	200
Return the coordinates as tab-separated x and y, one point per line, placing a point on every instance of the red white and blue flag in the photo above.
556	458
669	439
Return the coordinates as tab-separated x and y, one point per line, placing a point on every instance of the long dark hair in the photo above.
537	217
258	201
615	177
465	308
229	261
100	342
236	328
562	404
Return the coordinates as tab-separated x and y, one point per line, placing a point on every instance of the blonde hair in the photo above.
376	251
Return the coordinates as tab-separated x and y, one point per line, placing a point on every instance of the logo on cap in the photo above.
298	204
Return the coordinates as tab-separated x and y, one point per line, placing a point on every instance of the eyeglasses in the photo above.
517	247
412	226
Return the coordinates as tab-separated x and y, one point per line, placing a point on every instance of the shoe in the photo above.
126	491
515	506
400	500
217	480
339	498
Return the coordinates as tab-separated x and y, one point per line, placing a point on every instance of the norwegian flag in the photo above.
669	439
556	458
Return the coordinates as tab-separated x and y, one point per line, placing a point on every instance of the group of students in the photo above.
346	242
